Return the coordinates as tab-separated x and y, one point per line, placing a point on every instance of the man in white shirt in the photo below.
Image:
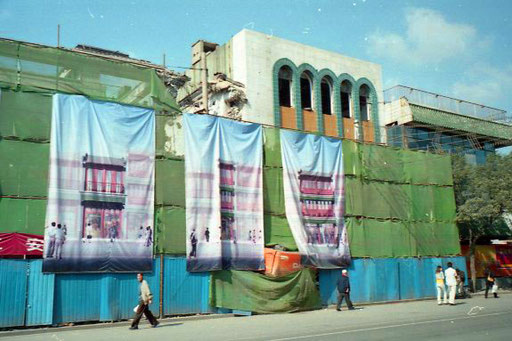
60	237
450	276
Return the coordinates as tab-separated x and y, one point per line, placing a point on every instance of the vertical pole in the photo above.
161	310
405	143
58	35
204	78
163	60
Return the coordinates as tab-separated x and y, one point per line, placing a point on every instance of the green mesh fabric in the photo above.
35	68
251	291
351	157
23	168
170	230
381	163
170	182
376	199
272	147
25	115
22	215
277	232
273	194
426	168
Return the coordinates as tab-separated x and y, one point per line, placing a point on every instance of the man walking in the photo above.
145	299
450	276
343	286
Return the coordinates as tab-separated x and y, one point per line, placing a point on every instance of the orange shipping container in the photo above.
280	263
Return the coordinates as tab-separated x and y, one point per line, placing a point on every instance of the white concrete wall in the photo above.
396	111
253	58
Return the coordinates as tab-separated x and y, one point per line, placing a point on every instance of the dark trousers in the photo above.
488	285
345	295
143	309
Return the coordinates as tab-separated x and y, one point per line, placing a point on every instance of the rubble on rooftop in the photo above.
226	97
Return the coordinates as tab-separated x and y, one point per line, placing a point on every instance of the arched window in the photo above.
306	90
345	99
364	102
285	86
326	93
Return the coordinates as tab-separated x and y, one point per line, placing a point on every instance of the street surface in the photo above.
476	318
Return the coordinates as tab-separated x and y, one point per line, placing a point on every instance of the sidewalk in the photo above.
178	319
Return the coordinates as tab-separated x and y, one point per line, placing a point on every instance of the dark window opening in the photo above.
345	104
285	86
364	103
325	89
363	107
285	98
305	93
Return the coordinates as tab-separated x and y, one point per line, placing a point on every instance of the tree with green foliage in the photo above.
483	195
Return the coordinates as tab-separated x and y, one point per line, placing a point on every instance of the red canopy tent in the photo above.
21	244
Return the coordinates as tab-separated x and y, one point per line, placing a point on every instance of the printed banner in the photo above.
224	194
100	198
313	193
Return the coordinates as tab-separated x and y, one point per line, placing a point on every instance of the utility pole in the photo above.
58	35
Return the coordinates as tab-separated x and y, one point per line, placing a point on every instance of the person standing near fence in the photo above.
343	286
450	276
441	289
145	299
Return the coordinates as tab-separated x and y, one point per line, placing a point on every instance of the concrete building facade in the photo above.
291	85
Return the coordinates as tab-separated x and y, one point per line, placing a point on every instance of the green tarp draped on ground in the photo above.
251	291
22	215
23	168
35	68
25	115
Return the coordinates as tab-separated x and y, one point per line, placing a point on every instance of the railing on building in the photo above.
458	106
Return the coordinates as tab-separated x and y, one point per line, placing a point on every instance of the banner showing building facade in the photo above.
224	194
99	216
313	193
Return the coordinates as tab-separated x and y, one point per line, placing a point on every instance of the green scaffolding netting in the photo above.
277	232
170	231
170	182
22	215
25	115
382	163
426	168
386	238
251	291
386	200
273	194
23	168
36	68
351	157
272	147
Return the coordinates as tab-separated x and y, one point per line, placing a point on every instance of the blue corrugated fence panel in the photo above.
410	280
40	295
77	298
127	293
184	292
327	283
374	280
13	290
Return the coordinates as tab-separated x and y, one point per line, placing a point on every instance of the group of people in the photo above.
446	284
146	234
56	236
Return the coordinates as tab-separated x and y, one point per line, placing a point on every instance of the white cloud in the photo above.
429	38
485	84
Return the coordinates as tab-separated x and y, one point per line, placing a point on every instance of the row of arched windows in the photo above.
322	92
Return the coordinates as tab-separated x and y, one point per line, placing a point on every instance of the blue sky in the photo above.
457	48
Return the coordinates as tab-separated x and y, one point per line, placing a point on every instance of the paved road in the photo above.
472	319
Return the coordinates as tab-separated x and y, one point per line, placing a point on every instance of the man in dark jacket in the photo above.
343	286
